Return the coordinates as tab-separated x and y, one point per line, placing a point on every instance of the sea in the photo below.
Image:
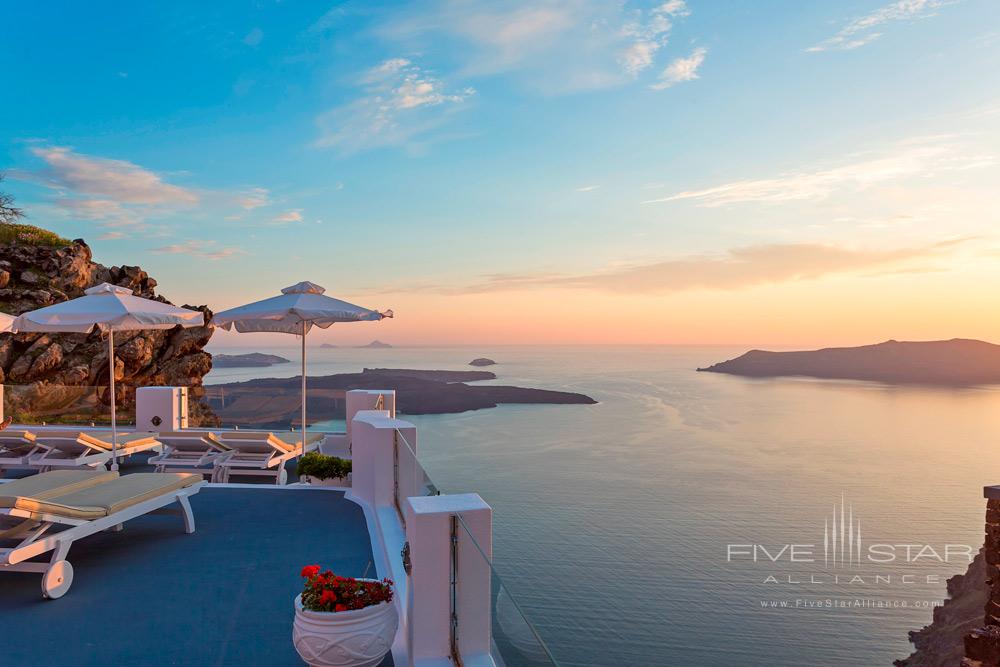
693	518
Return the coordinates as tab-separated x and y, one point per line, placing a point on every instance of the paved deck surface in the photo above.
153	595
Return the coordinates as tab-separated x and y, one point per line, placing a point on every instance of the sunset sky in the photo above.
584	171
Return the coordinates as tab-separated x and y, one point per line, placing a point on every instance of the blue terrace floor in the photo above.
153	595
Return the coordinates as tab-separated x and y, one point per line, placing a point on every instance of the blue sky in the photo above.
443	156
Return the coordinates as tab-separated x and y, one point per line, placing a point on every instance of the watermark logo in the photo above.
841	547
842	539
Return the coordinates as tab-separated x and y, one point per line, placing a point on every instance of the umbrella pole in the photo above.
111	384
303	448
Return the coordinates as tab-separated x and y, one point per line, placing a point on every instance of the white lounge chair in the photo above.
78	449
86	501
190	451
262	453
17	448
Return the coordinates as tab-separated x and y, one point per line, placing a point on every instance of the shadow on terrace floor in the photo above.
153	595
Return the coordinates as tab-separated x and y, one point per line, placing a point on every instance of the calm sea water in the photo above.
612	521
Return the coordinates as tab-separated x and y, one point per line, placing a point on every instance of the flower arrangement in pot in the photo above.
316	468
343	621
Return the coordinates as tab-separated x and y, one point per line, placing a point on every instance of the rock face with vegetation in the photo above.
37	268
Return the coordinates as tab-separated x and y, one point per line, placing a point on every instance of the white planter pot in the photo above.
357	638
332	481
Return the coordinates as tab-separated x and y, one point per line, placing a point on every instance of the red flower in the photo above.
310	571
340	607
327	597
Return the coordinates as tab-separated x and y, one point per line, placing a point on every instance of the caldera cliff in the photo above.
38	271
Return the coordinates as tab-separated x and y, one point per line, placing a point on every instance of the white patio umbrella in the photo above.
109	308
296	310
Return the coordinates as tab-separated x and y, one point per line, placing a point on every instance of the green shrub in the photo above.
12	232
322	466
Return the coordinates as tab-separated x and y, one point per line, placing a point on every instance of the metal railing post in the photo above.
456	655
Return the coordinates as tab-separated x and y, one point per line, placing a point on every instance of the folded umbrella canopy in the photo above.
296	310
6	323
108	308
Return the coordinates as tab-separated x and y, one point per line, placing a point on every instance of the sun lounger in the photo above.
17	448
78	449
190	451
262	453
85	501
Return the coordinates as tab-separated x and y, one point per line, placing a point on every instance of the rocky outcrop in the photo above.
982	645
249	360
33	276
940	644
274	402
955	362
482	361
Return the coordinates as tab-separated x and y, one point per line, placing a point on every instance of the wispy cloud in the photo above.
120	180
649	32
680	70
117	193
254	37
253	198
395	106
204	249
288	217
922	156
736	268
866	29
554	46
111	236
588	188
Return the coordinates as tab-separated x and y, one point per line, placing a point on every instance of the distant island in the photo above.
956	362
327	346
376	344
250	360
419	392
482	361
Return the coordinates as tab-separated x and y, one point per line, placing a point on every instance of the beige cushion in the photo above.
52	484
16	437
256	441
106	499
191	440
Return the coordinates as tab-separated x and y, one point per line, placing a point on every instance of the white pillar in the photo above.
366	399
429	533
161	408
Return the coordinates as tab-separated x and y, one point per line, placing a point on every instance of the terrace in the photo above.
151	594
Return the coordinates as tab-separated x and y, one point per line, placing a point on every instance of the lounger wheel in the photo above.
57	579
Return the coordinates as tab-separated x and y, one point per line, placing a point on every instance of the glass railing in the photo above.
52	404
263	407
516	642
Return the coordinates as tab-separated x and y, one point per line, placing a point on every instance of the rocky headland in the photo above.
248	360
955	362
274	402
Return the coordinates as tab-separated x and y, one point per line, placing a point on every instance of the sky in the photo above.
529	172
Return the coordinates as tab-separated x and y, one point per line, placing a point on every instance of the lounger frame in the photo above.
93	454
36	542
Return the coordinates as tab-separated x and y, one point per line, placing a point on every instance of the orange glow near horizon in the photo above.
842	310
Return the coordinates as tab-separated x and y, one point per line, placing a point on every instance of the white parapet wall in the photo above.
389	481
430	529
